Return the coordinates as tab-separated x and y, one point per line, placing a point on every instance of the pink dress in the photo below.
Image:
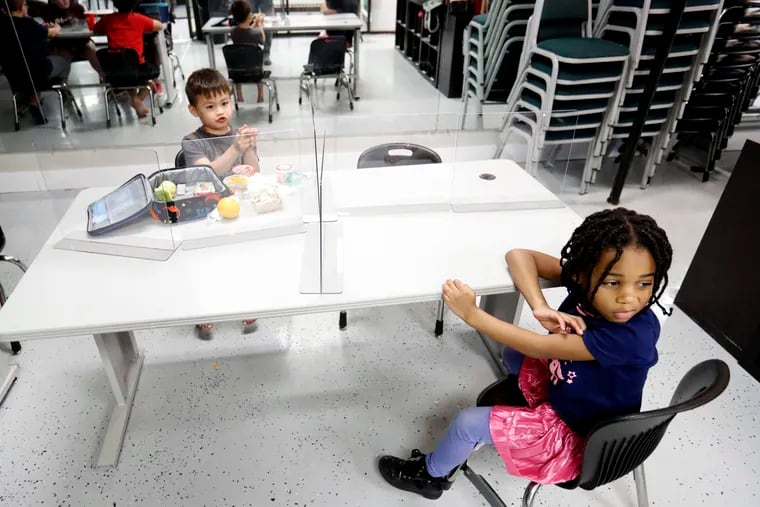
533	441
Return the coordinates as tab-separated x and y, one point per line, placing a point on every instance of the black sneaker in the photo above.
412	475
37	115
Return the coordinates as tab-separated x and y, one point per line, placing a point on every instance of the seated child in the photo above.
125	29
591	367
248	31
69	11
215	143
31	68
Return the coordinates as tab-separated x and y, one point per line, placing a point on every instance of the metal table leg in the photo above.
210	48
357	43
122	362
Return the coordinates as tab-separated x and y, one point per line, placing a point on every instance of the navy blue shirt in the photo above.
585	392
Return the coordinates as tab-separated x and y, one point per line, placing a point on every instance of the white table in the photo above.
81	31
391	258
299	23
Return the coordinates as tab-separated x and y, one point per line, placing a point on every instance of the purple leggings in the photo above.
469	428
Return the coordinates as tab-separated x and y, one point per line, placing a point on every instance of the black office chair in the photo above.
15	346
123	71
245	64
390	154
618	445
179	159
327	57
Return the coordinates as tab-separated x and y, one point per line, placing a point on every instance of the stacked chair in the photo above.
568	84
727	88
639	24
492	45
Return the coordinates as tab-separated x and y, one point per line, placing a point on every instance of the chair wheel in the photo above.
351	106
278	108
299	103
108	123
337	96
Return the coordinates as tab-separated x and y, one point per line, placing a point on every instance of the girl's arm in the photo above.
461	299
526	267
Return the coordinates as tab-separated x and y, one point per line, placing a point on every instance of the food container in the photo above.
244	169
237	183
282	171
202	191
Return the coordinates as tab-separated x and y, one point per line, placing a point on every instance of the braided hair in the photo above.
612	229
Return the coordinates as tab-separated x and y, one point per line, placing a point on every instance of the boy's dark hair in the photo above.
15	5
205	83
124	5
240	9
612	229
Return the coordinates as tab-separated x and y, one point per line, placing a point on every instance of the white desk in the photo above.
298	23
388	259
81	31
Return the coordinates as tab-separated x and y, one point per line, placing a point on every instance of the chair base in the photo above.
494	500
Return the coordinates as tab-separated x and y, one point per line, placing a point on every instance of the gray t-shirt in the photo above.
200	144
246	36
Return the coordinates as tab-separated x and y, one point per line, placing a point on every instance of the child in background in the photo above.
591	367
250	30
215	143
125	29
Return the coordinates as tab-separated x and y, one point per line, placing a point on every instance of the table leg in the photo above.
506	307
122	362
357	43
210	48
167	69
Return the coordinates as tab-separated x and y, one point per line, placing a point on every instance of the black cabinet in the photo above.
718	292
431	39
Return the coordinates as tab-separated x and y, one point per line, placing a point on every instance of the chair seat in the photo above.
584	48
480	19
606	72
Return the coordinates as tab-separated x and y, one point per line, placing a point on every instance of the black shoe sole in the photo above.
384	466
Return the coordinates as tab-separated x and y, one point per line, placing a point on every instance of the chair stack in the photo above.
492	47
640	24
727	87
568	84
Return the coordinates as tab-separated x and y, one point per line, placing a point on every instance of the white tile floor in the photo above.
297	412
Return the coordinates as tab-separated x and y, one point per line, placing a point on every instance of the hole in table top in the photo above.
487	176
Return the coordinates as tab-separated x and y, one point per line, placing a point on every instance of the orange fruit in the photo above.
228	207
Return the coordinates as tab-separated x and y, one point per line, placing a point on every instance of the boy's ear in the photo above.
192	110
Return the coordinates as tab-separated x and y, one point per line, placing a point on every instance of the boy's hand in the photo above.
460	298
559	322
245	138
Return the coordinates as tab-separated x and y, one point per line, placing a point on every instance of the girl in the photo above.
591	367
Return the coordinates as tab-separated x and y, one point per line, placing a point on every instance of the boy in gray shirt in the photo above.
215	143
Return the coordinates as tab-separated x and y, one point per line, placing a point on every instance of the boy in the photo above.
215	143
248	31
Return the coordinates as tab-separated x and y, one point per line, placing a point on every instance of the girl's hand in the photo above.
460	298
559	322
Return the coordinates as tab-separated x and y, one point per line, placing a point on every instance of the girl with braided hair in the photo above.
591	366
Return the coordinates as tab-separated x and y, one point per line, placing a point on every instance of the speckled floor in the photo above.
297	412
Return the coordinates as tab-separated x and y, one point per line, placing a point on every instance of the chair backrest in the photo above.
245	62
391	154
121	66
2	240
179	159
327	55
618	445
